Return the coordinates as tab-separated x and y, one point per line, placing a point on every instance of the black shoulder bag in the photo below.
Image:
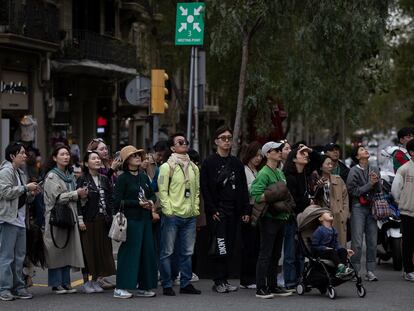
61	216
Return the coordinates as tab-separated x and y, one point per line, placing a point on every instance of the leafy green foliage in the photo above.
314	55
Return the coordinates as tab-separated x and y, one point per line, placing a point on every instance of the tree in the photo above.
314	55
238	20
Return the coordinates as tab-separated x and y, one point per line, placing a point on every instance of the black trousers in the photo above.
250	246
337	256
407	228
226	228
272	233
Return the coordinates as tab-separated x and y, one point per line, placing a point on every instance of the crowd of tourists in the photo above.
166	194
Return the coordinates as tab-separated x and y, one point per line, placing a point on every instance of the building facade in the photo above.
67	63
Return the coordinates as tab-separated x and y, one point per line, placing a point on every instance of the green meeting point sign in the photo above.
189	24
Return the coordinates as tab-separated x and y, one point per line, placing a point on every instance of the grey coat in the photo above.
10	191
71	255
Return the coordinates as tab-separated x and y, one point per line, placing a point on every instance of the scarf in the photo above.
183	160
67	177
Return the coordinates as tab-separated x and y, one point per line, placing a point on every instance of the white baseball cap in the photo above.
270	146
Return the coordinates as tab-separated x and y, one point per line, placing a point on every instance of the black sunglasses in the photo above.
181	142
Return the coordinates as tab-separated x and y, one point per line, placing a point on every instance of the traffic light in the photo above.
158	91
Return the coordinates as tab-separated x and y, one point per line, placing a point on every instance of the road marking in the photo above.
73	284
77	283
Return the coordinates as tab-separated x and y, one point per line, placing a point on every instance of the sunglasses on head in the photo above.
225	138
98	140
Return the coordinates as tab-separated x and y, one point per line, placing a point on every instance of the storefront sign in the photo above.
14	90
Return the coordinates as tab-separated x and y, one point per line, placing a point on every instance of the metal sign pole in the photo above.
190	96
196	143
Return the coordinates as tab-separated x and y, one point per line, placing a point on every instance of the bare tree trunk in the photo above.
240	96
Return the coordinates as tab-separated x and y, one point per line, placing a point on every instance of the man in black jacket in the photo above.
226	198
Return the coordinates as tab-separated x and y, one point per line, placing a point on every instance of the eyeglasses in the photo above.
136	155
181	143
225	138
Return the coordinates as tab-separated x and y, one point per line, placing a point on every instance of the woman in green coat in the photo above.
137	263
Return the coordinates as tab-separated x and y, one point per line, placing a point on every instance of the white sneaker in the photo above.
70	289
145	293
96	287
195	278
87	288
122	293
370	277
230	288
409	276
105	284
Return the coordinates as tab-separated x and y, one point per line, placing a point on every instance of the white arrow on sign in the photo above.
183	27
184	11
196	27
198	10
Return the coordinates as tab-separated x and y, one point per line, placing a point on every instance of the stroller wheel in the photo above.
361	291
300	289
331	292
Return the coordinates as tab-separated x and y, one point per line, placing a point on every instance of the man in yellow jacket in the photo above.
179	189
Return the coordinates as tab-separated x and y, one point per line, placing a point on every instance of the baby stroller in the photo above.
319	273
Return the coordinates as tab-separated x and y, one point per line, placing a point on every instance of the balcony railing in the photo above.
30	18
88	45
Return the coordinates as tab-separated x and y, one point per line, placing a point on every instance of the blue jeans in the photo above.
363	222
293	261
184	230
12	254
58	276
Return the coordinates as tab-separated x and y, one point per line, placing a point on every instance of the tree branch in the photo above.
256	26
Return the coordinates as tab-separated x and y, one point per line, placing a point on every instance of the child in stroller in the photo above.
325	245
318	272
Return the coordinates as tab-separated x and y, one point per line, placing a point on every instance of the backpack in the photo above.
388	154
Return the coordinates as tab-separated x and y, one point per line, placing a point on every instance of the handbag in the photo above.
380	207
118	230
61	216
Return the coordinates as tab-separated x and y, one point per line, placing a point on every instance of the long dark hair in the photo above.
251	151
88	153
290	166
323	159
51	164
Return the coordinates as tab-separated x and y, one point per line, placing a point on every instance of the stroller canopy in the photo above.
309	215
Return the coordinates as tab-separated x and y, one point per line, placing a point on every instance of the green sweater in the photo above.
264	179
172	190
127	190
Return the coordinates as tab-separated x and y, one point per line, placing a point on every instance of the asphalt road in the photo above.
390	293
